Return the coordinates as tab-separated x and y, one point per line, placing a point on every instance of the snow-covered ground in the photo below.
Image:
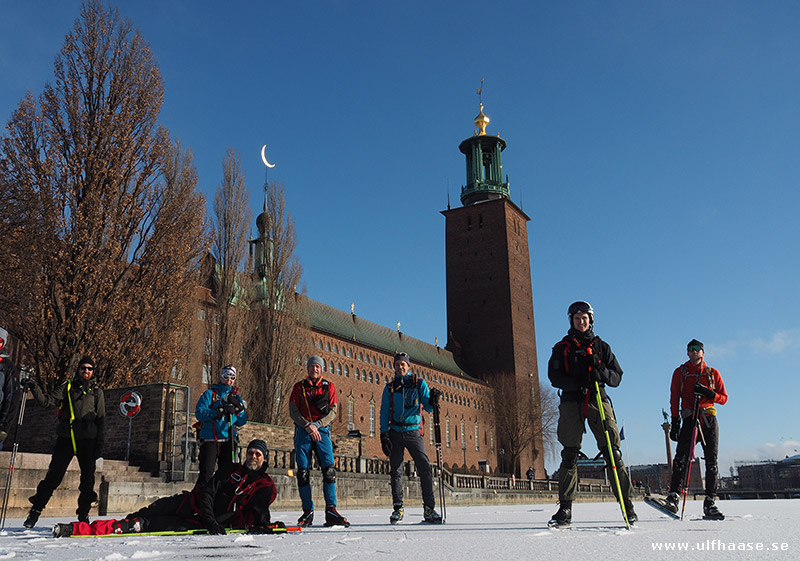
752	530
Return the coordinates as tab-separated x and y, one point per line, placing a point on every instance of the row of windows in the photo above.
488	437
380	362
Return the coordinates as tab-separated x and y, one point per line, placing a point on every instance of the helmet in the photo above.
580	306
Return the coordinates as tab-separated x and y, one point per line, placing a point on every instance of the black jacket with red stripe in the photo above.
568	368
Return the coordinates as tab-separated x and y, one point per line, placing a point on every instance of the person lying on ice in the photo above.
237	496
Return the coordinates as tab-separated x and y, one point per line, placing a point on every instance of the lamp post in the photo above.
464	449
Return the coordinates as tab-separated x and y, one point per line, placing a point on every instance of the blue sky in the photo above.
653	144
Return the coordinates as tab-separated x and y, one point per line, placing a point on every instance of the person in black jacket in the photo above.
578	361
237	496
80	432
7	378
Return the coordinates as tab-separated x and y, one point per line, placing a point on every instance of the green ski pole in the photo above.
611	454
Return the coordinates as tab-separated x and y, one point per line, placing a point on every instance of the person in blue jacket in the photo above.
400	431
219	410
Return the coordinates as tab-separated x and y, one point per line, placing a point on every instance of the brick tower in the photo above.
489	297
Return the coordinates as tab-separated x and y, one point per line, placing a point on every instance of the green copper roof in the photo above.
348	326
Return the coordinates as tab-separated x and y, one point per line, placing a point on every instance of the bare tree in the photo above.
545	411
232	218
515	418
273	346
101	222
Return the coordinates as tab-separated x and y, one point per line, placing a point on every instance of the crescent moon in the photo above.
264	157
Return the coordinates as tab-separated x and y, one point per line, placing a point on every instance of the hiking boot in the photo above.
333	518
33	517
397	514
710	510
306	519
632	517
564	515
431	516
671	502
62	530
83	517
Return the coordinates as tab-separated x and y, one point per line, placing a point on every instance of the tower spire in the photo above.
484	163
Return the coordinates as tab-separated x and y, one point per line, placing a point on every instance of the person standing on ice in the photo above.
80	433
695	378
219	411
578	361
312	407
400	431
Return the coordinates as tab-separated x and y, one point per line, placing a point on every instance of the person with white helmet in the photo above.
578	361
219	411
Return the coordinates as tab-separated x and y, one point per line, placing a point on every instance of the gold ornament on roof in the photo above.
481	121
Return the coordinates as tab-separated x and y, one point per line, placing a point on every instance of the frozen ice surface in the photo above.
753	529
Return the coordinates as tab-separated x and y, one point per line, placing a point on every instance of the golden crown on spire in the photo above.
481	121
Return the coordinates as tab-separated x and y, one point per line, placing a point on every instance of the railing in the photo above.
285	459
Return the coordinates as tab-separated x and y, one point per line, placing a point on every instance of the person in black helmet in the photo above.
578	361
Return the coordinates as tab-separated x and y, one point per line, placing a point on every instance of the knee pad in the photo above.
303	477
617	457
569	457
712	469
329	474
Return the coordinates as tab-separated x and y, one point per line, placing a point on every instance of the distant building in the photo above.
489	320
658	476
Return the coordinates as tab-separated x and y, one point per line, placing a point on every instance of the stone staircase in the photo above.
121	488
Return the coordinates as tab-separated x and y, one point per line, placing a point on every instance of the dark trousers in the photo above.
210	451
413	442
59	462
571	425
174	513
710	441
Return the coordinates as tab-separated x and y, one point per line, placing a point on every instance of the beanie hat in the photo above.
316	360
404	357
227	372
694	342
258	444
86	360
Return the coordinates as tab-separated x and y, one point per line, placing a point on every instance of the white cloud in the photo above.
778	451
781	341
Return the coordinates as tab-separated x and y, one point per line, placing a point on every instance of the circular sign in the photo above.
130	403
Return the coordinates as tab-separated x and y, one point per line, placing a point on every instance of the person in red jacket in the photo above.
695	379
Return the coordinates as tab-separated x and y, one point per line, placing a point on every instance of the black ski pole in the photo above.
437	435
693	445
10	474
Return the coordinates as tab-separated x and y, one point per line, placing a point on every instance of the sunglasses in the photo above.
89	368
229	377
695	348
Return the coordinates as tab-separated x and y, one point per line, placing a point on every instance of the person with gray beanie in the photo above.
312	407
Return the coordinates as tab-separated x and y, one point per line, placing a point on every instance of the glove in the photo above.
386	444
706	392
28	383
675	429
3	435
237	403
215	528
227	409
434	397
598	371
